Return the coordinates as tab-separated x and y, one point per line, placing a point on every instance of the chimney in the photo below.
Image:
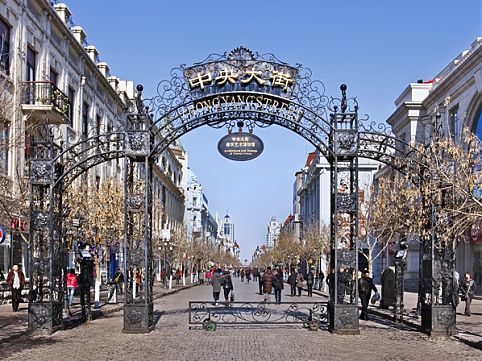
63	12
104	69
79	34
93	53
114	82
477	42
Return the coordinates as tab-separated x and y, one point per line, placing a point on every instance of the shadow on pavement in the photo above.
24	343
395	325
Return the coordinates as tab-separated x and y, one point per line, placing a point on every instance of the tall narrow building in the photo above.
274	228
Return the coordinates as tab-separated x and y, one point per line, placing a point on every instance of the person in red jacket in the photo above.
71	285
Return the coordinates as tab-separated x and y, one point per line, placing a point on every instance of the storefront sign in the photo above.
19	224
240	146
2	235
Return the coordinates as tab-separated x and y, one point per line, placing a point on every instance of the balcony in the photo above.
44	103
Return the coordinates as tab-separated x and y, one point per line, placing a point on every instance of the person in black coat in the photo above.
278	285
310	280
467	292
365	288
292	282
227	285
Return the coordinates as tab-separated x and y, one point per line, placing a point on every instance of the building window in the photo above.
194	202
71	95
54	77
85	119
4	47
4	146
31	65
98	121
454	122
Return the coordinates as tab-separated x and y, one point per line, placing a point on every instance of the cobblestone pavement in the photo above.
172	340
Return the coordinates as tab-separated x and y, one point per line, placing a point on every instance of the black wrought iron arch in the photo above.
78	158
317	133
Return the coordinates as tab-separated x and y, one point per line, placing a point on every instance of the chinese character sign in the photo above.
240	146
210	79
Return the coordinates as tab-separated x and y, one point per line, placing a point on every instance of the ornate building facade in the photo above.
455	94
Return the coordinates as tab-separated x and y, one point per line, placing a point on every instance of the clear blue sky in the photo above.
376	47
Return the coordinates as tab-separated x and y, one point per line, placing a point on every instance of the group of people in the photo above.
222	280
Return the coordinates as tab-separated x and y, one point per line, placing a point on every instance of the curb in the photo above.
120	307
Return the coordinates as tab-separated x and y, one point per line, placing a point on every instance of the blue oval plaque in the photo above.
240	146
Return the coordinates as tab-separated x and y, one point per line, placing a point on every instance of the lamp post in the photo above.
167	245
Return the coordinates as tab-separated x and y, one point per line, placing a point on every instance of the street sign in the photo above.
2	235
240	146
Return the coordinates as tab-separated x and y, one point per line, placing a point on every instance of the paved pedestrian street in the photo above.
173	340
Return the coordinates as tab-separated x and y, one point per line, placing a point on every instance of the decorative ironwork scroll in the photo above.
256	88
262	313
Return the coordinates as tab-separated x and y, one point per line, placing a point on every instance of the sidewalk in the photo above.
469	328
14	324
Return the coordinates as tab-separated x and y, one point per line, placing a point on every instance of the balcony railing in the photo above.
46	102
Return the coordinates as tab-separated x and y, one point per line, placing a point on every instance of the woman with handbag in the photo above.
227	285
467	291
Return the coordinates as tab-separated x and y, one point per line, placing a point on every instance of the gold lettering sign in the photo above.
200	80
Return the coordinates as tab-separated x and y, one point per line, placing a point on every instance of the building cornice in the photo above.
71	40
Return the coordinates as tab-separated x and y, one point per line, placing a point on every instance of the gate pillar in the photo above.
138	307
438	281
343	309
46	251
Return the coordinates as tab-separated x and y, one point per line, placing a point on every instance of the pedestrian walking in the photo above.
267	283
467	292
278	285
119	280
248	275
216	281
310	280
292	282
365	288
227	285
260	281
300	283
178	276
138	280
71	285
321	278
242	275
16	282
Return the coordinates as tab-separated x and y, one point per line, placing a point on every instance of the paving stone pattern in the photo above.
172	340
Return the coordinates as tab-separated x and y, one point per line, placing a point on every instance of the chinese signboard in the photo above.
240	146
241	70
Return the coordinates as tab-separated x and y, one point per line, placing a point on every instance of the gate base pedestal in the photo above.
44	318
439	320
343	319
138	318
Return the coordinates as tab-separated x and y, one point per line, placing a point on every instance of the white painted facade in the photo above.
456	94
42	45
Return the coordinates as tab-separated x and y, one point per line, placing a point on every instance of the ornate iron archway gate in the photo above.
237	89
